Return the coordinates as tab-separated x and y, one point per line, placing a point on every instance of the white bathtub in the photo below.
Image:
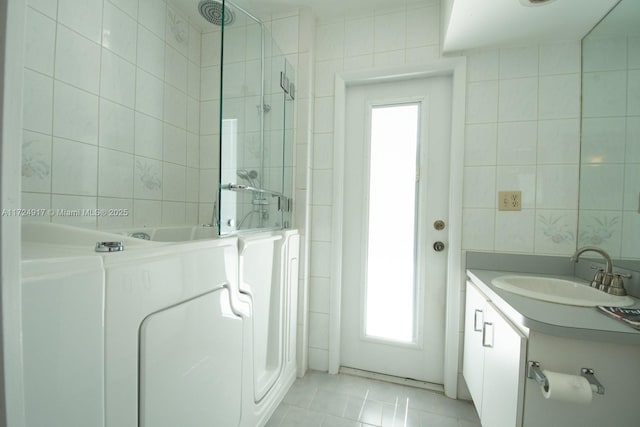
146	317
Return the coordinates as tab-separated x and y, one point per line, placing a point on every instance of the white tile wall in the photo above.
108	103
610	144
532	145
391	37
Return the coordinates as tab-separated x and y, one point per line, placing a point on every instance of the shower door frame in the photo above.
456	67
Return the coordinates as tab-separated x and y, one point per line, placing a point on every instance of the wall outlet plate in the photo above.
509	200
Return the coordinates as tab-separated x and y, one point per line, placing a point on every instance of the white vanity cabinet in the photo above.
494	362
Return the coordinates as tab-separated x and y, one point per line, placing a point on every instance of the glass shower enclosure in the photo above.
257	95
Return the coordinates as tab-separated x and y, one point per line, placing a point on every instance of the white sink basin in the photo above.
560	291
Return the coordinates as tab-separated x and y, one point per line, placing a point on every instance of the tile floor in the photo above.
323	400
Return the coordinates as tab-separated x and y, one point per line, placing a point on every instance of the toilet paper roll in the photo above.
567	388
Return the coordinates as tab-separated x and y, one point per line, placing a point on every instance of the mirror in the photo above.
609	208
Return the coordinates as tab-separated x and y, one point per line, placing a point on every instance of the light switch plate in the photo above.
509	200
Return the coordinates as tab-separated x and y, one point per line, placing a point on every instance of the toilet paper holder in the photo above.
534	371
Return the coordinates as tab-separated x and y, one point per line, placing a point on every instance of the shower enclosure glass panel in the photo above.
256	128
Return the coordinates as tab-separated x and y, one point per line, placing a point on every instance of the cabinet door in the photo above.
505	351
473	361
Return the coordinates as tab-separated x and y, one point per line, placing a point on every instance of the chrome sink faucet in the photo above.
606	281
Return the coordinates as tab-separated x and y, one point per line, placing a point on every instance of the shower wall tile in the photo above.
119	32
82	16
192	185
195	44
193	115
117	79
149	94
40	36
37	102
75	167
209	152
210	83
115	221
175	106
210	48
174	178
175	69
174	146
285	34
75	114
115	174
36	162
193	80
130	7
116	127
193	150
107	110
173	213
147	213
35	201
152	14
61	202
148	136
177	30
47	7
150	52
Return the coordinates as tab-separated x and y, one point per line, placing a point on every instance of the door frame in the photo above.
455	67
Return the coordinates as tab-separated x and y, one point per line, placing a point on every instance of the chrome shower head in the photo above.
249	176
214	12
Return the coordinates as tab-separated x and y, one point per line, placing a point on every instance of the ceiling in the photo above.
472	23
483	23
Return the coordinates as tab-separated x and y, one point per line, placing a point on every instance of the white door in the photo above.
396	188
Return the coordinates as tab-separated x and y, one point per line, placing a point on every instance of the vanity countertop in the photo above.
561	320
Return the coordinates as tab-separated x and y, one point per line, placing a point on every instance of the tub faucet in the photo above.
601	281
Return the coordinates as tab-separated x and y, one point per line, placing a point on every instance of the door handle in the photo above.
438	246
477	328
486	335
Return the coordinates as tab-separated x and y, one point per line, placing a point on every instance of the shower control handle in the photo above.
438	246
